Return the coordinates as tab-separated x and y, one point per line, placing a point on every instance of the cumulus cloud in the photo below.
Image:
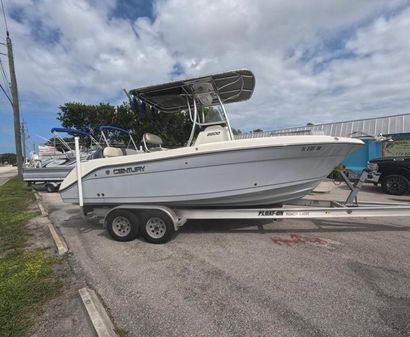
71	50
314	61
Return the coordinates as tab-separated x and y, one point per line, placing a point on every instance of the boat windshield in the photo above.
208	115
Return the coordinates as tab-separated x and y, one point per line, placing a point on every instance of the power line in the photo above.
5	78
6	95
4	16
7	82
4	72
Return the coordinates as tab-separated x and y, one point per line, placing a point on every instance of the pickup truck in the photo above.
392	173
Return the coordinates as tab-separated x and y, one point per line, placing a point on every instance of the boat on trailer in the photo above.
214	169
214	176
53	170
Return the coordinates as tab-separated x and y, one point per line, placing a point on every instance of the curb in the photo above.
97	313
60	244
58	241
42	210
99	318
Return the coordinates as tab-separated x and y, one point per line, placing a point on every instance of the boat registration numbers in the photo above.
311	148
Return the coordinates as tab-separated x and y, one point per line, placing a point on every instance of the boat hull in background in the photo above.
46	174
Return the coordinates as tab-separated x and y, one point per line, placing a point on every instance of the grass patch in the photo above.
15	197
26	277
121	332
26	282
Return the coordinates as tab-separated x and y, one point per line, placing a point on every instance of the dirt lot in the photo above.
247	278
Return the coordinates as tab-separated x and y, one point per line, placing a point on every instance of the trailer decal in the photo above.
270	213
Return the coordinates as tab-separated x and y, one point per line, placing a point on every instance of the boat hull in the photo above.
46	174
246	177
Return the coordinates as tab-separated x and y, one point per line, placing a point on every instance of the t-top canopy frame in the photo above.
71	132
229	87
117	129
114	128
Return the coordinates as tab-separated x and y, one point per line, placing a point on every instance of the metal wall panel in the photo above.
389	125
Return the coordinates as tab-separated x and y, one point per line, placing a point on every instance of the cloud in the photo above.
317	61
81	53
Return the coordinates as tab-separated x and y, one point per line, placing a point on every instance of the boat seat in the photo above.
213	134
110	152
131	151
150	138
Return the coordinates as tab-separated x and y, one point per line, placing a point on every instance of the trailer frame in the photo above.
298	209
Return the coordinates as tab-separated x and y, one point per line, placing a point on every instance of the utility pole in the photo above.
23	139
16	109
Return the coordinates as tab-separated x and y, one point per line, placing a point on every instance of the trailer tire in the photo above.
50	188
122	225
157	227
395	184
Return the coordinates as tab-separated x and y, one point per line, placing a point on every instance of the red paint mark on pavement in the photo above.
294	239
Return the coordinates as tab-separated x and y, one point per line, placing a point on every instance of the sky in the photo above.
314	61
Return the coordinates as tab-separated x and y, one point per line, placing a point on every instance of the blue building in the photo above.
383	136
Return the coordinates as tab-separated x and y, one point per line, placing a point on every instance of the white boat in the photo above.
213	169
55	162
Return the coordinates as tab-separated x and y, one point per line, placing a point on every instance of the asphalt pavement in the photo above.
7	172
247	278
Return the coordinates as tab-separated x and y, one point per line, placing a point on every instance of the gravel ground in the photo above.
247	278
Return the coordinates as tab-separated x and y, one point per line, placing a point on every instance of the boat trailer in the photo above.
157	223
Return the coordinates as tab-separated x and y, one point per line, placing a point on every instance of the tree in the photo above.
9	158
173	128
257	130
88	117
236	131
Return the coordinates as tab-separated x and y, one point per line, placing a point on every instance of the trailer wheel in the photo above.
395	184
50	188
157	227
122	225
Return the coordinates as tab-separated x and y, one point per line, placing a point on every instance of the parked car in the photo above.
393	174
